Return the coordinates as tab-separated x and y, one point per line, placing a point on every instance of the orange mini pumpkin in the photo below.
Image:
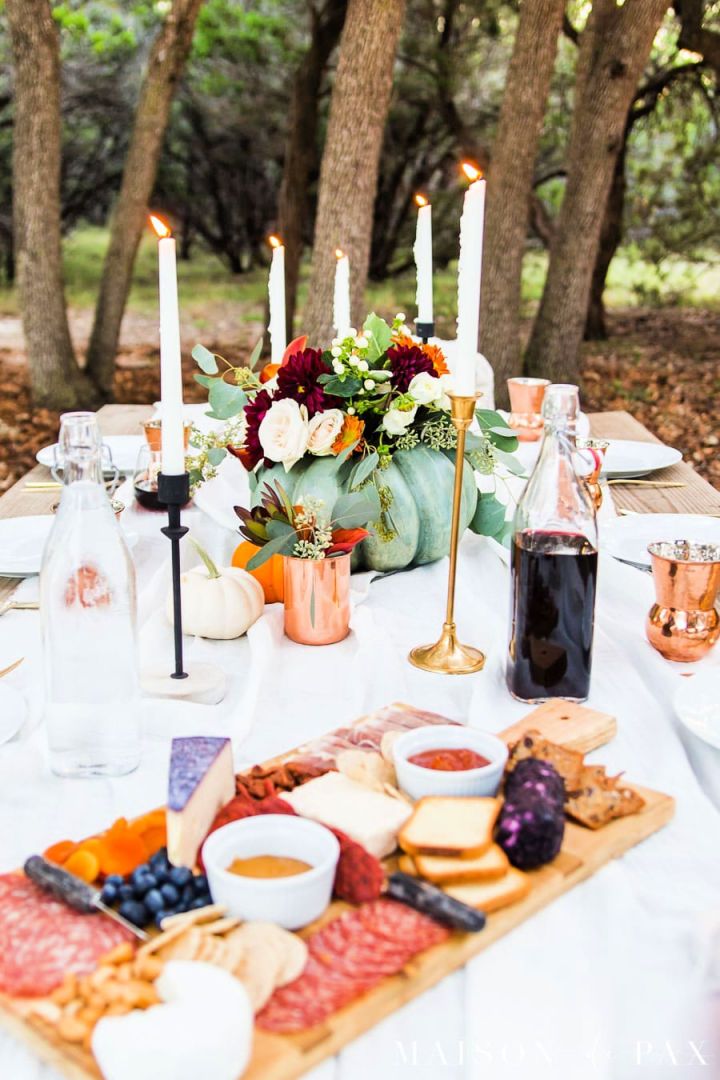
270	574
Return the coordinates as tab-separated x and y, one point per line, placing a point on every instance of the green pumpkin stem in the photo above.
212	569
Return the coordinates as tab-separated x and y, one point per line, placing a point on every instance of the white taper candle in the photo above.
173	446
341	295
276	294
422	251
469	282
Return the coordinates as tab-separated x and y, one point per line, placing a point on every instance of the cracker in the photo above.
290	950
192	918
569	763
221	926
598	798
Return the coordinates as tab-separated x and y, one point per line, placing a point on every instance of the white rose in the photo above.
396	421
425	388
446	384
323	430
283	432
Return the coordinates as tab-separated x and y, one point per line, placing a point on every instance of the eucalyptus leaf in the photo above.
253	480
345	454
226	400
363	469
216	454
344	388
279	545
379	337
489	516
276	527
502	442
511	463
205	360
205	380
256	355
356	509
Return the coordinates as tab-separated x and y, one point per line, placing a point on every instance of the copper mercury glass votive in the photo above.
596	450
317	599
526	399
683	624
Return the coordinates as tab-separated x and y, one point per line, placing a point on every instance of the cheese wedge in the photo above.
489	866
370	817
490	896
201	781
458	827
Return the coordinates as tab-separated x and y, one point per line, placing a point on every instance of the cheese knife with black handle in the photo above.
73	891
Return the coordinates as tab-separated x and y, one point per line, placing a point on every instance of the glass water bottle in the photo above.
87	603
554	567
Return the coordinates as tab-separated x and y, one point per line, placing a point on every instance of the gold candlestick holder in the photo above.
448	655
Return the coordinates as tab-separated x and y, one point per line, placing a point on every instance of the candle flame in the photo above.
274	241
420	200
339	253
162	229
471	171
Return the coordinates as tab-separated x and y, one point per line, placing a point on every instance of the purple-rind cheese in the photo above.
536	777
190	760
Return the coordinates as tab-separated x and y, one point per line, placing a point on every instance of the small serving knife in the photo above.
430	900
73	891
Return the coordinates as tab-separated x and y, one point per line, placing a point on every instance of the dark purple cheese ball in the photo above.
536	777
530	831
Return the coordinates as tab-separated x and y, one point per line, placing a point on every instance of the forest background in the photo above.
320	119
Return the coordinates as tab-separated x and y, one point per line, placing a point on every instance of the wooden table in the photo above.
697	497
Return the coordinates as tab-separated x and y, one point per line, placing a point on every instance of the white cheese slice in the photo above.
201	781
370	817
204	1029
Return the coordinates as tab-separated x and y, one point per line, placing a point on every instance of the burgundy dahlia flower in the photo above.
297	379
407	361
255	411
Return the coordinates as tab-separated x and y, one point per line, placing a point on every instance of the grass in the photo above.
205	283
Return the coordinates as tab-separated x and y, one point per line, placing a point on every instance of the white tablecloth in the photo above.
614	980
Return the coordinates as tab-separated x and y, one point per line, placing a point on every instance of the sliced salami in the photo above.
41	939
398	923
346	945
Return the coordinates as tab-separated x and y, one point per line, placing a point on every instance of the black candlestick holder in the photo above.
174	492
424	330
204	683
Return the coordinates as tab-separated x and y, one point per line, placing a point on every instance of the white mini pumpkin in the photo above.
218	603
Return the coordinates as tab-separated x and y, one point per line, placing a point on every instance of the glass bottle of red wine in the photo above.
554	567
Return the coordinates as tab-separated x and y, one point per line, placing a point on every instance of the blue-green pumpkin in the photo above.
417	490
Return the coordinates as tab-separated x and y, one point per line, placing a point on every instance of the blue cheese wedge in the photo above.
370	817
201	781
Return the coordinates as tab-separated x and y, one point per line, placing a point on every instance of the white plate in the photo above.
625	458
628	537
22	540
12	712
124	450
697	703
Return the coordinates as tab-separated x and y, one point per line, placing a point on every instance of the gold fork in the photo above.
11	667
19	605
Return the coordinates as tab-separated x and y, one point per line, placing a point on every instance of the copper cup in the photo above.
684	623
317	599
526	400
153	433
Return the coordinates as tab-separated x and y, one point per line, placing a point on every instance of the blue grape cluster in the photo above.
155	890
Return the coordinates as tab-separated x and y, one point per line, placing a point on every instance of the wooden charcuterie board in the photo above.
283	1057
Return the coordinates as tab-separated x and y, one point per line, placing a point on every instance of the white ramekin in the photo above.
418	782
290	902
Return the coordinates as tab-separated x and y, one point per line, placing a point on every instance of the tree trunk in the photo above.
610	237
348	177
165	66
55	378
613	50
510	184
301	151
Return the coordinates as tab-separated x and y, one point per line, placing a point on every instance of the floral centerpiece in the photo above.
370	412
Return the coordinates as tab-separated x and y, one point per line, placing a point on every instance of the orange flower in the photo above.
350	432
435	353
269	372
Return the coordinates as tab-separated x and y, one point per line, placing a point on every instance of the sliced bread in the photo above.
490	896
489	866
453	826
406	863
